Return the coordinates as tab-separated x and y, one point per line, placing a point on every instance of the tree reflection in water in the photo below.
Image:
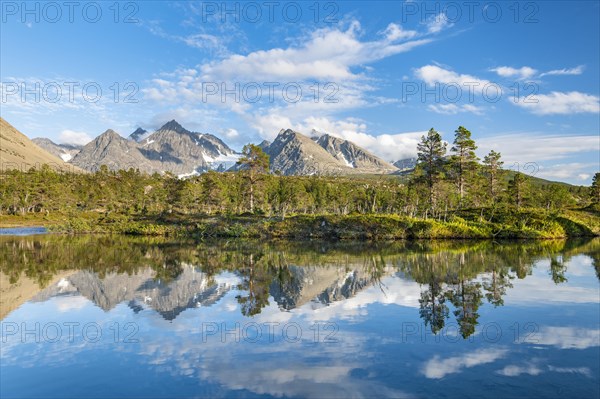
455	277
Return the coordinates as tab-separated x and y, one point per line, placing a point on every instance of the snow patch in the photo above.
348	163
186	175
66	157
222	158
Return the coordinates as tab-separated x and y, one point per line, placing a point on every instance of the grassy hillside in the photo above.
18	152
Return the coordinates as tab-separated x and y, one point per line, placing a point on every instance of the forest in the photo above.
449	194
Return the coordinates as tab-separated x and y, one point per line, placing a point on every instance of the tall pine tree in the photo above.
254	163
431	152
464	160
493	170
595	189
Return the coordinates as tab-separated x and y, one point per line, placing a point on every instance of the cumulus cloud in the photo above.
231	134
432	74
327	54
73	137
519	73
561	103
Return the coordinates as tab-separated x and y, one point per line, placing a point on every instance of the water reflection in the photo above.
170	277
398	314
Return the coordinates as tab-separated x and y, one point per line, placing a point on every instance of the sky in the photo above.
523	77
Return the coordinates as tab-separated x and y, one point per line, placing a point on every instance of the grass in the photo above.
468	224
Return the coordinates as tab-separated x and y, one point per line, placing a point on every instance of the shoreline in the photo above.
521	225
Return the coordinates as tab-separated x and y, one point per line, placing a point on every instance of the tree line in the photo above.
442	183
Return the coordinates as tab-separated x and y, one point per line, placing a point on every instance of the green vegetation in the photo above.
446	197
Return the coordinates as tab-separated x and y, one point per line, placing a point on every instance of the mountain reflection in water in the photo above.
417	310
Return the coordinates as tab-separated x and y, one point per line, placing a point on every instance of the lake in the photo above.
102	317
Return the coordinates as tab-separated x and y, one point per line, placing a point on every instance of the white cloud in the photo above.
437	368
328	54
453	109
578	70
268	126
432	74
437	23
336	55
519	73
231	134
395	32
200	40
531	147
564	103
564	171
72	137
204	41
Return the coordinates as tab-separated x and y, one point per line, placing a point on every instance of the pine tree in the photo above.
254	162
464	160
493	168
518	188
431	152
595	189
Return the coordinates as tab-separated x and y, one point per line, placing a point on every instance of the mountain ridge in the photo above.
17	151
66	152
292	153
173	148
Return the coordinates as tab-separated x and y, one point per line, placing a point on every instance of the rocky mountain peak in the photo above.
110	134
174	126
264	144
139	134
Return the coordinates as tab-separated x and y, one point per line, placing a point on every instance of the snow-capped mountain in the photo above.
172	148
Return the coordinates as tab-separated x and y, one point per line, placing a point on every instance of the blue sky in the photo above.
522	76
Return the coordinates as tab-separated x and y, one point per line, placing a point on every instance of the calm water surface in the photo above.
93	316
22	231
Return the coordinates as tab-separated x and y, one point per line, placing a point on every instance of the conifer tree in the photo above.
431	152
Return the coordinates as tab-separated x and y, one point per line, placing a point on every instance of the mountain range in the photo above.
176	150
172	148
